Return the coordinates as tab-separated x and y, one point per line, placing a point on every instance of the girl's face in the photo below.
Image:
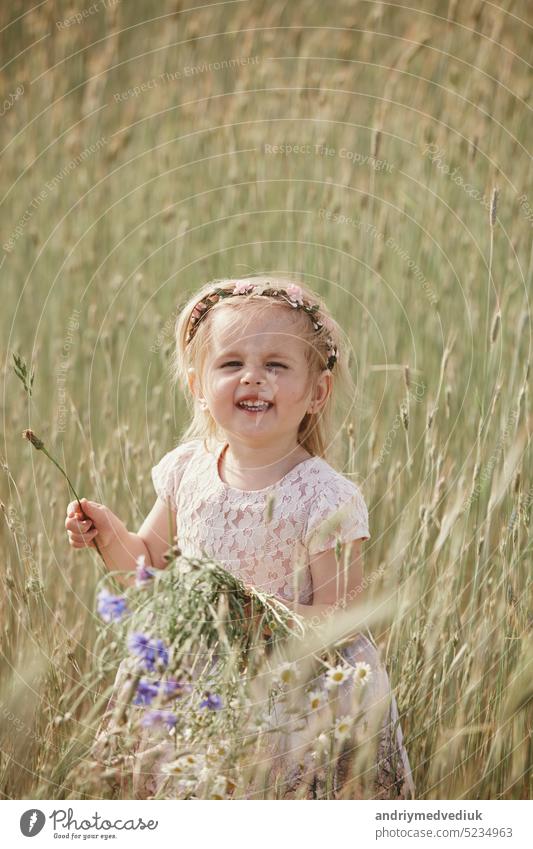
265	366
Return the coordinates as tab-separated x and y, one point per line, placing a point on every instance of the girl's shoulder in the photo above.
325	480
167	473
336	509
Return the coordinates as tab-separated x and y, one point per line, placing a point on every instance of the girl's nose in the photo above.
250	377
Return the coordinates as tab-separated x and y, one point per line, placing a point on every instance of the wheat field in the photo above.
379	152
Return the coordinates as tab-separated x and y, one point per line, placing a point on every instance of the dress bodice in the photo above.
266	536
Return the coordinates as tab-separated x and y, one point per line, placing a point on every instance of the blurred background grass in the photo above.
139	161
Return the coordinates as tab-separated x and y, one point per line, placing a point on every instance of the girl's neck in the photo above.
242	465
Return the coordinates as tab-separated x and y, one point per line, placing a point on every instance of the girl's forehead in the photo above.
254	329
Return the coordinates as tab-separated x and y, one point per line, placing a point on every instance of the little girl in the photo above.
262	361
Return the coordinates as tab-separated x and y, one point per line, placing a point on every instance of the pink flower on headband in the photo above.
243	288
295	294
198	310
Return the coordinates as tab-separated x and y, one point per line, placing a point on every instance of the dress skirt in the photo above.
371	763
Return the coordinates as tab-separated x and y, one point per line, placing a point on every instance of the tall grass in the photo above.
125	202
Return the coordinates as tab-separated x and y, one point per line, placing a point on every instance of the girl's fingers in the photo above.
81	539
77	526
75	511
83	543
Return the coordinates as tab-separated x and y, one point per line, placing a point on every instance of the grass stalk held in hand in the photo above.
26	377
39	445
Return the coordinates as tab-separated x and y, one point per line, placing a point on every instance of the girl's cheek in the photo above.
224	386
298	396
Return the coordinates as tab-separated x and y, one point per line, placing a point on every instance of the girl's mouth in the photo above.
254	407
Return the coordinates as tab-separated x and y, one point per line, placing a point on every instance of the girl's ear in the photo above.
322	391
191	378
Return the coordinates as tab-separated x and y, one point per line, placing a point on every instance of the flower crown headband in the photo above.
292	295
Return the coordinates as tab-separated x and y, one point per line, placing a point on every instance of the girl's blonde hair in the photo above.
317	430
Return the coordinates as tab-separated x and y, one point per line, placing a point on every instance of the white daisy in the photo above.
338	675
287	674
194	761
219	789
343	727
184	765
316	699
217	751
362	672
174	768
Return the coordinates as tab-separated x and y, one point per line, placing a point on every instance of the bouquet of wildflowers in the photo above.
189	642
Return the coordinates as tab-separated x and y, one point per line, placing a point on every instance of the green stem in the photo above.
71	485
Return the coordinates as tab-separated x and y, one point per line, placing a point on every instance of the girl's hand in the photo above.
97	520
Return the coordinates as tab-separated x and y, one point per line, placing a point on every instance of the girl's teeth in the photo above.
247	406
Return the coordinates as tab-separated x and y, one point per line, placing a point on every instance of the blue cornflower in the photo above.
172	687
162	653
142	646
146	692
156	716
111	607
213	702
138	643
151	652
143	573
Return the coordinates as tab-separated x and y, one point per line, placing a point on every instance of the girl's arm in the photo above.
120	548
329	593
158	533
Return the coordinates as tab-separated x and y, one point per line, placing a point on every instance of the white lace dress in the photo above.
230	525
265	538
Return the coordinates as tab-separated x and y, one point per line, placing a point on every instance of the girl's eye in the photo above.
237	363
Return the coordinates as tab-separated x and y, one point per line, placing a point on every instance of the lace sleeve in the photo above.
167	474
338	514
